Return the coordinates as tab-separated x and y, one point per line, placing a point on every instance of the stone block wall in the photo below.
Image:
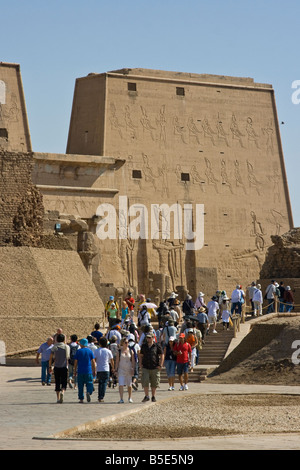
21	205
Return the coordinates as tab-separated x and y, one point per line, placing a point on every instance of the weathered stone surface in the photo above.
186	139
44	288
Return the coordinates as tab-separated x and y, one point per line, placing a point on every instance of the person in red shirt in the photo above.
130	303
183	353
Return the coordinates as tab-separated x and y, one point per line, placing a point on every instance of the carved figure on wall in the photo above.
197	178
170	258
275	179
147	126
268	131
224	176
222	135
252	136
235	132
149	176
125	250
208	132
179	130
161	122
163	172
253	181
210	175
276	219
115	124
178	172
130	127
193	130
238	178
257	232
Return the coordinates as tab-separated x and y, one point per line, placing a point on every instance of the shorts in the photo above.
212	318
151	376
170	368
182	368
125	380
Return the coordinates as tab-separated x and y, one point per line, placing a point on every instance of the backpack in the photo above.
73	350
132	348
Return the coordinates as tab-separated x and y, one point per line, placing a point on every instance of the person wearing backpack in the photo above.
74	346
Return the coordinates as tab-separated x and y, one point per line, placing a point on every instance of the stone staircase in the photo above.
215	347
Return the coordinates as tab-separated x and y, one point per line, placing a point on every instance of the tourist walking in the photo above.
170	362
212	313
225	313
74	346
125	364
97	333
203	323
104	367
85	370
288	299
237	300
251	290
151	360
270	296
45	351
281	289
257	300
183	352
60	355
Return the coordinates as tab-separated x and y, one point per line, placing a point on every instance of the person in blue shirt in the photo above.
96	333
45	351
85	370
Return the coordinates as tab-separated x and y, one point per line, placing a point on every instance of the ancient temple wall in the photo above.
14	130
185	139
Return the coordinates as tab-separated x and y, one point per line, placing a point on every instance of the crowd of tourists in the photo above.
141	338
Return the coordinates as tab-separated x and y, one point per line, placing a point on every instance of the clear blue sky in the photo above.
57	41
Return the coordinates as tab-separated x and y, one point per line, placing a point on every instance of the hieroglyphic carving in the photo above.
170	258
115	124
193	130
275	178
235	132
130	126
238	178
149	176
163	173
147	126
222	135
253	181
208	132
277	219
257	232
161	122
252	136
210	175
197	178
268	131
224	176
179	130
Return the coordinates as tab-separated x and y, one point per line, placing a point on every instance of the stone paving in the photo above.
30	417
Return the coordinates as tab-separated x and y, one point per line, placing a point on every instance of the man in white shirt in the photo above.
257	300
236	300
212	314
104	361
270	291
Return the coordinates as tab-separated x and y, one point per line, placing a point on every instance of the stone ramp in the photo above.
42	290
